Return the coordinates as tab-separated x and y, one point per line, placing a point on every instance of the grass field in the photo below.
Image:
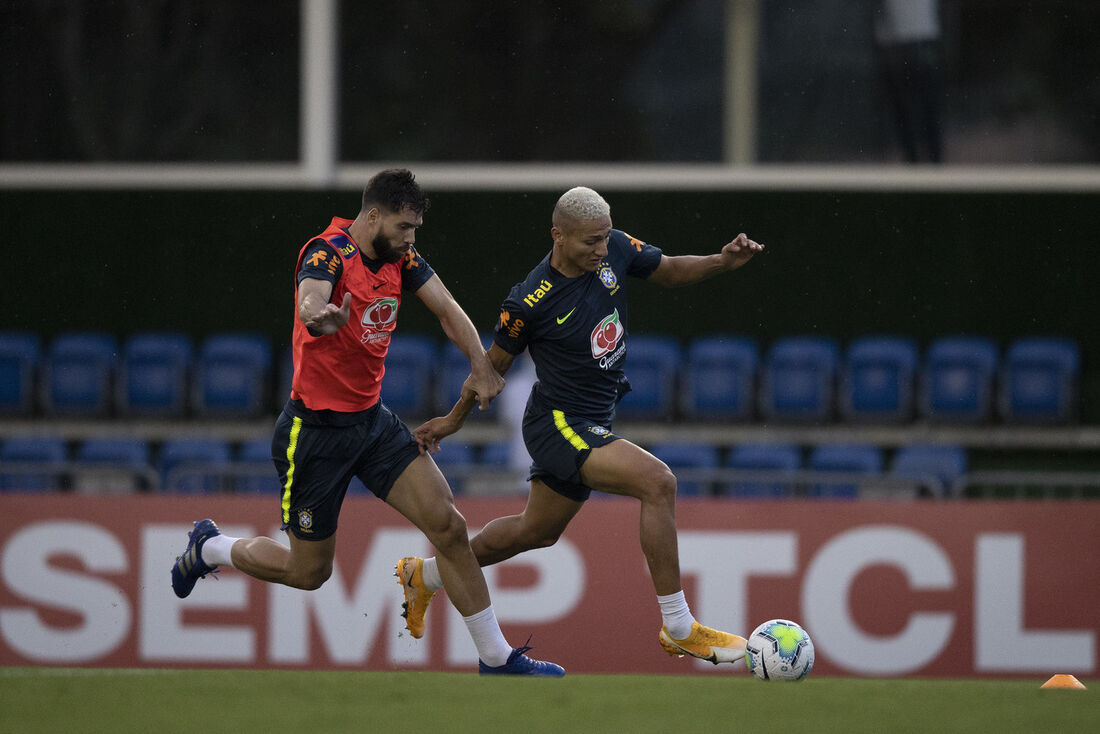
209	702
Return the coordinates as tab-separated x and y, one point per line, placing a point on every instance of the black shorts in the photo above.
559	444
318	452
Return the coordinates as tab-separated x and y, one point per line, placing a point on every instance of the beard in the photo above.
385	250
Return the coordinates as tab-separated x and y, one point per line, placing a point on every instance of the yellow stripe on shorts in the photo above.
295	429
567	431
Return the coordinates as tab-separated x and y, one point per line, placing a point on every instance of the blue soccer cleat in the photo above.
190	567
520	664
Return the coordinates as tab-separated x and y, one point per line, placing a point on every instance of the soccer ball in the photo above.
780	649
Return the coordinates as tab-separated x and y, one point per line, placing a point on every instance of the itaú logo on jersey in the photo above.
379	318
605	337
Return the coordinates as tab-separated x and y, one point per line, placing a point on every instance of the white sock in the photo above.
676	615
217	551
432	579
492	648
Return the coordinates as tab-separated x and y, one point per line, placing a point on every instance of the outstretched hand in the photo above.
740	250
429	433
331	318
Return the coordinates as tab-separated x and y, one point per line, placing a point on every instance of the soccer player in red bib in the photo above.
570	315
349	282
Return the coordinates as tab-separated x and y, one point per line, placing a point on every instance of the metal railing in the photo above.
78	476
1027	485
494	480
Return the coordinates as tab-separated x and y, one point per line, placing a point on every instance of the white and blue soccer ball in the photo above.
780	650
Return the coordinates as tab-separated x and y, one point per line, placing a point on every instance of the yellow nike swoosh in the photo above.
561	319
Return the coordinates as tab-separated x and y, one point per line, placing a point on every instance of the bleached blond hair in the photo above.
581	204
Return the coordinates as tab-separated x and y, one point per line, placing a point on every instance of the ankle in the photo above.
430	572
676	615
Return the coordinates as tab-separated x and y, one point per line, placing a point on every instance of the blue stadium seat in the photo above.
454	454
720	378
509	457
847	458
407	383
688	456
78	375
193	465
780	458
497	453
878	380
260	477
1039	381
118	465
652	366
451	371
20	354
123	451
153	375
232	376
32	463
956	381
798	381
938	464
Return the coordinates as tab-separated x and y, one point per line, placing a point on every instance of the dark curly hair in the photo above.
394	189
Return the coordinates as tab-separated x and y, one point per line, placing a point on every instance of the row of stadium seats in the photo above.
209	465
786	470
185	465
875	379
44	463
157	375
808	379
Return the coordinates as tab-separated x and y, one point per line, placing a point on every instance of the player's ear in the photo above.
556	234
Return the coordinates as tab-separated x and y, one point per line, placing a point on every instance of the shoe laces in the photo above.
521	650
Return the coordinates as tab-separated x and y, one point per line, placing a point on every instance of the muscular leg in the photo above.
305	565
540	525
623	468
422	495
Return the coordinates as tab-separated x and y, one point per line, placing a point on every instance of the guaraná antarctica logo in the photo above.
605	337
379	318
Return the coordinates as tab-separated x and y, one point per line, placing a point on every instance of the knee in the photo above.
449	530
544	539
662	485
538	533
311	579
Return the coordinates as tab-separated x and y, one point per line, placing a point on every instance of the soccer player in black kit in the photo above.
570	313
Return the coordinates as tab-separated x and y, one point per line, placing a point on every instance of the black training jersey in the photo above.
575	328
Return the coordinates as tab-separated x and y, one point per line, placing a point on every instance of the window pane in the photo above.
108	80
1007	81
532	81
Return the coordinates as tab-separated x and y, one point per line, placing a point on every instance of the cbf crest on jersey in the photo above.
607	277
305	520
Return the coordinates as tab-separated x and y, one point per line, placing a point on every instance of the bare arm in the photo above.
687	269
431	432
485	382
314	309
